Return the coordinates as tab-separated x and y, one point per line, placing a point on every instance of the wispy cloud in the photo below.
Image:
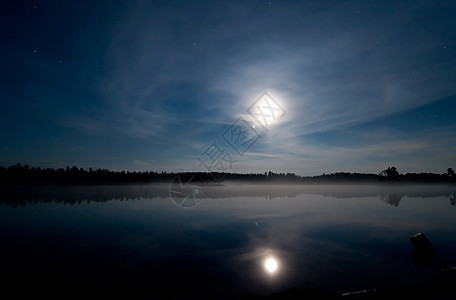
166	83
338	80
258	154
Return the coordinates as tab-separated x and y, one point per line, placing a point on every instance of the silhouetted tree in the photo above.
450	172
390	173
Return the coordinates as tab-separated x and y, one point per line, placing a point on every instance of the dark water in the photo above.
135	241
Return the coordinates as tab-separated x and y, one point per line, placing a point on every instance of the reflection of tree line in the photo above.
19	174
394	198
66	201
18	196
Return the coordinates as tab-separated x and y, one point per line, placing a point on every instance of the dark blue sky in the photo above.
150	85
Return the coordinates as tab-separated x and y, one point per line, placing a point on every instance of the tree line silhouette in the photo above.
24	174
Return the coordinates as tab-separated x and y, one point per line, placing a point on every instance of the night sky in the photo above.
151	85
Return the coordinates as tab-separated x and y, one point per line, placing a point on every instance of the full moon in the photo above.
270	265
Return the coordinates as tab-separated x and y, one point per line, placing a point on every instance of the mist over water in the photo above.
335	237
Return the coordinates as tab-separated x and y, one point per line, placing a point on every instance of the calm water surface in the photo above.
240	239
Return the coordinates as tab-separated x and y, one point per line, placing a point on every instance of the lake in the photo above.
239	239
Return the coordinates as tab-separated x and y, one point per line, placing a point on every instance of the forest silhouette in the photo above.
25	175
